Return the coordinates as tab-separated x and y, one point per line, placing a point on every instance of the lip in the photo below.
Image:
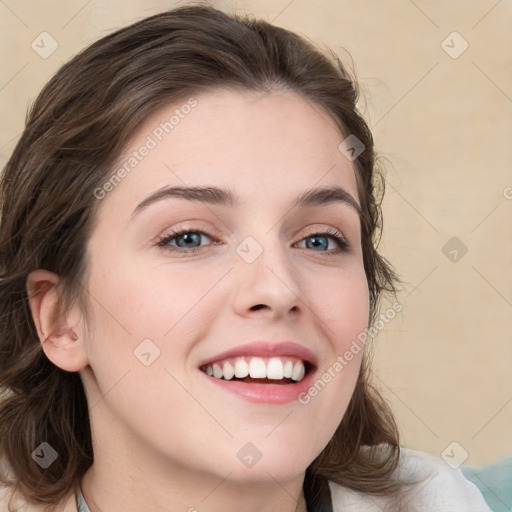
265	393
266	349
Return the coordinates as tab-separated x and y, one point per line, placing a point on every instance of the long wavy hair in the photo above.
76	129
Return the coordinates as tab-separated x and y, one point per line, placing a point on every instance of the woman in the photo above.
188	273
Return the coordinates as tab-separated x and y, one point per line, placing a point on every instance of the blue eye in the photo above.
189	241
185	239
320	240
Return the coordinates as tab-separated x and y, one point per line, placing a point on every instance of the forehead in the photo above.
263	144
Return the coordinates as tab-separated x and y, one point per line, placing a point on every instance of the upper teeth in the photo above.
277	368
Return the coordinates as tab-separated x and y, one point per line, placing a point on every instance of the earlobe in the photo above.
56	334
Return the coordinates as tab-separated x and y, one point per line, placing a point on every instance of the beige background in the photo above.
444	126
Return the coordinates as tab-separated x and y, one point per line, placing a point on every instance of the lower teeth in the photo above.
249	380
264	381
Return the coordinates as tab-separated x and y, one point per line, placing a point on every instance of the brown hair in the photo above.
78	126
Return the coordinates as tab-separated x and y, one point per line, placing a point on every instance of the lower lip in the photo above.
264	393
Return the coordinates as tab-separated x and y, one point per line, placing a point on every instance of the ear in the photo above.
61	342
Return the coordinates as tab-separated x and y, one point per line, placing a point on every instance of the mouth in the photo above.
262	372
259	370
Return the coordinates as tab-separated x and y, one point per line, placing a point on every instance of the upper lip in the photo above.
265	349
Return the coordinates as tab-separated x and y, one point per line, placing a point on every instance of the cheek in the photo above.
169	306
148	301
341	301
137	311
342	310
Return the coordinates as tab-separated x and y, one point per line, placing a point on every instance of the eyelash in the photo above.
163	242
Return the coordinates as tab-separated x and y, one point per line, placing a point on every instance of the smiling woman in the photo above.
188	246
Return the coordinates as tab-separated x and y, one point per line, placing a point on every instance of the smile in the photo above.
262	372
282	370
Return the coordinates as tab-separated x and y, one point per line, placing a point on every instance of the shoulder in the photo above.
438	488
19	505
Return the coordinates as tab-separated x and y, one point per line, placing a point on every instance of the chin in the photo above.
268	472
264	461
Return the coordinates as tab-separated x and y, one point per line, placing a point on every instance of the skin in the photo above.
163	437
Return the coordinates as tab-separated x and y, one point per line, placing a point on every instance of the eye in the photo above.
321	241
187	240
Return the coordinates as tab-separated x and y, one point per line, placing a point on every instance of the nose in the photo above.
266	286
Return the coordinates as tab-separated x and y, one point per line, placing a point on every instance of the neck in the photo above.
137	482
204	495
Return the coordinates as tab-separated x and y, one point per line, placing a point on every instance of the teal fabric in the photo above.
494	482
80	502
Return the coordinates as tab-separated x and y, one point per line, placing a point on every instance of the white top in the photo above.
441	489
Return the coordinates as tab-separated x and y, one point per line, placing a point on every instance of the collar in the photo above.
80	502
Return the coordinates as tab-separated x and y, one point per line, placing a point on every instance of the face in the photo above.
191	291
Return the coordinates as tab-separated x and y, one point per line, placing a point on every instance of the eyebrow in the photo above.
223	196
